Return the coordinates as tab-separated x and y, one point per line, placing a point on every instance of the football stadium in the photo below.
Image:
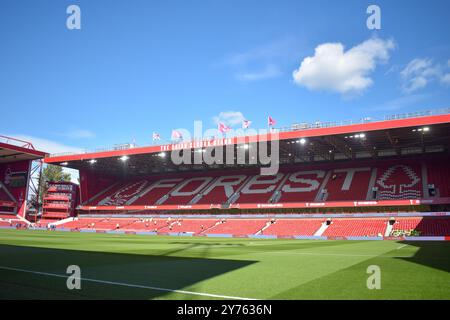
316	165
346	197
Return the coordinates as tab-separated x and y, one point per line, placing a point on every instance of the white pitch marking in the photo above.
128	284
401	246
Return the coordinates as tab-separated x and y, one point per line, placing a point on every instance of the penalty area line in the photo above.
203	294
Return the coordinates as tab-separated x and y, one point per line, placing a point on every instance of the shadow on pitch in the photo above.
433	254
132	269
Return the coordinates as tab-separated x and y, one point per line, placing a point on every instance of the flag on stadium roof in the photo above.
223	128
246	124
271	121
156	136
176	135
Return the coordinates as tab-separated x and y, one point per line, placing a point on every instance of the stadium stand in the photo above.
399	181
7	203
124	193
356	228
8	216
60	200
396	165
152	225
393	181
293	227
288	227
5	223
222	189
426	226
79	223
155	191
238	226
344	185
196	226
438	179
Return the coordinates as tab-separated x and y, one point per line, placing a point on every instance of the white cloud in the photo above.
47	145
279	50
263	62
446	79
334	69
79	134
421	72
270	71
230	118
401	102
417	74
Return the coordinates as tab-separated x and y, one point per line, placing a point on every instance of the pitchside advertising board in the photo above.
14	176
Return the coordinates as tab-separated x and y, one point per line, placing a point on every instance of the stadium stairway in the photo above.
322	229
268	224
388	231
293	227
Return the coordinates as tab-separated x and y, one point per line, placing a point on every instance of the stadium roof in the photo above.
12	150
370	139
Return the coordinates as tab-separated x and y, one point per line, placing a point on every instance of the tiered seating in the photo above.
434	226
302	186
112	224
343	186
8	216
356	228
187	190
148	225
123	193
406	224
259	189
238	226
82	223
427	226
399	181
222	189
394	180
439	175
5	224
340	227
190	226
290	227
156	191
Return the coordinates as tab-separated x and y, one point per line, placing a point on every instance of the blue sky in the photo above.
141	66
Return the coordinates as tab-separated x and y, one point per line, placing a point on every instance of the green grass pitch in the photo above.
33	266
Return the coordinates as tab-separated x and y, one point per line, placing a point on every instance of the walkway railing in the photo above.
16	142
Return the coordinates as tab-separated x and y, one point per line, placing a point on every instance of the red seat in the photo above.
366	227
294	227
